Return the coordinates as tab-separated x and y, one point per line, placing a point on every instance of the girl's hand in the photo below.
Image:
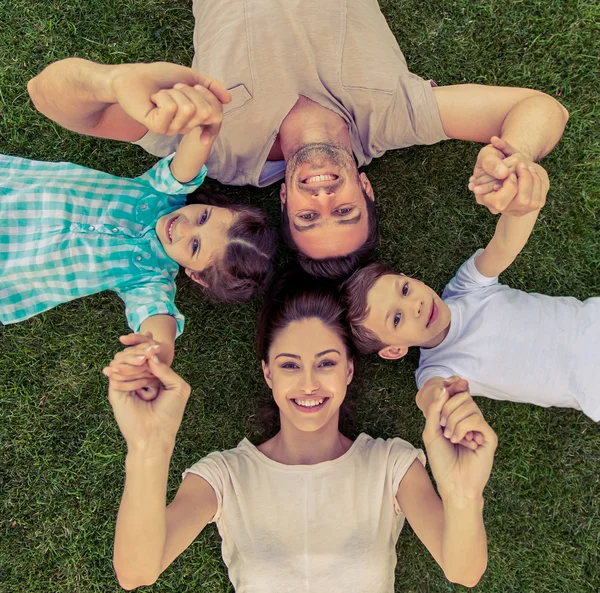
461	466
142	422
129	369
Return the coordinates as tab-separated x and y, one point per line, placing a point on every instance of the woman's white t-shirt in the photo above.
324	528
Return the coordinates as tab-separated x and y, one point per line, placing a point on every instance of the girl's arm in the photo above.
194	148
163	329
149	535
452	527
512	232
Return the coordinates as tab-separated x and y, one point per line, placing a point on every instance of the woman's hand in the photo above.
129	370
142	422
461	466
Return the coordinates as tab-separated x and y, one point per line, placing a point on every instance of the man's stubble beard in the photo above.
320	154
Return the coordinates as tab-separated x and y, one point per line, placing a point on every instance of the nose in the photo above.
309	382
185	227
318	191
418	306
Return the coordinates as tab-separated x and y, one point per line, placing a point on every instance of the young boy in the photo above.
508	344
67	231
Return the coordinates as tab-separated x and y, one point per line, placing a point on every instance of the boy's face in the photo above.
404	312
195	235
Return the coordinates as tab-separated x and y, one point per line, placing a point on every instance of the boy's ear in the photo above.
267	374
196	277
393	352
282	195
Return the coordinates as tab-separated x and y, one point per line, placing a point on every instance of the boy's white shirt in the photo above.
518	346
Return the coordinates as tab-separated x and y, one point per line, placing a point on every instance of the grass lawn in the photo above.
61	455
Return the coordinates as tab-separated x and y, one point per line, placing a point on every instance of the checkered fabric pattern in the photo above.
67	231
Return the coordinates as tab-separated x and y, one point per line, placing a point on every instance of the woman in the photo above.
308	510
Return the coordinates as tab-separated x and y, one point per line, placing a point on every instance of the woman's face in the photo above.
308	371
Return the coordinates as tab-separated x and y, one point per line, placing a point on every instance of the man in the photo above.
311	91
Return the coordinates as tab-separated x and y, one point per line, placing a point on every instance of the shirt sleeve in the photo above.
424	373
211	468
413	116
401	457
149	299
160	178
468	279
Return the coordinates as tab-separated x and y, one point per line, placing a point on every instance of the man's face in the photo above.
325	201
405	312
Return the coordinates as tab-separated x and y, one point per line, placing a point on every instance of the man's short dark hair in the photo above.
336	268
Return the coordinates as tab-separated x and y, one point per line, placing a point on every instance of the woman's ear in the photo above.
267	374
196	277
393	352
350	372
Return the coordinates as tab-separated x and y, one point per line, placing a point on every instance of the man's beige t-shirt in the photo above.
325	528
338	53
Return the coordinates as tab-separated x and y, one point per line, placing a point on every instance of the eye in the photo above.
308	216
327	363
397	318
344	211
203	218
194	246
405	289
289	365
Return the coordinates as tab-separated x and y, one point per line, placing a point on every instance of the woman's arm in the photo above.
452	527
149	535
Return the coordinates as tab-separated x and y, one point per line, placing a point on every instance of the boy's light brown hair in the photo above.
354	293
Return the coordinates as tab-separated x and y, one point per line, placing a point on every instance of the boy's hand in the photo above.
495	183
129	370
461	468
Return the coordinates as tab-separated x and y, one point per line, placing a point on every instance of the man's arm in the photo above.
527	124
120	102
529	120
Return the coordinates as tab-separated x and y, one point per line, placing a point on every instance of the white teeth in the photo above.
170	229
309	403
320	178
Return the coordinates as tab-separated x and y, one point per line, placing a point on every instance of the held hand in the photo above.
460	467
138	90
129	370
495	181
144	422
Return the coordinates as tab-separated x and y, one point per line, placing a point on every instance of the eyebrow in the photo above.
298	357
308	227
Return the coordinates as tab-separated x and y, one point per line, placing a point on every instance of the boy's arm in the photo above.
434	385
513	232
194	148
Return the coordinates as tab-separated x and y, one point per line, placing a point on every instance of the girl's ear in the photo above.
196	277
350	372
393	352
267	374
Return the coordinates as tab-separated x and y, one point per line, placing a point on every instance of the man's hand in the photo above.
167	98
496	184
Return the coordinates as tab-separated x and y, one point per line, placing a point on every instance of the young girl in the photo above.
309	509
67	231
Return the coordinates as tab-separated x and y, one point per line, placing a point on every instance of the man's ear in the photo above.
393	352
283	195
267	374
196	277
350	372
366	185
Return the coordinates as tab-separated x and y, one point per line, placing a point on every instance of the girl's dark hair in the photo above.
292	297
247	263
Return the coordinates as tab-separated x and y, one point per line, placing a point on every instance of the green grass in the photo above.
61	455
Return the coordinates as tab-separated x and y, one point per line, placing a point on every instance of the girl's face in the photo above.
308	371
195	236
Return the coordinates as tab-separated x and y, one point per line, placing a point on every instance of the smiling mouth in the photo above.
319	178
432	314
308	405
169	228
